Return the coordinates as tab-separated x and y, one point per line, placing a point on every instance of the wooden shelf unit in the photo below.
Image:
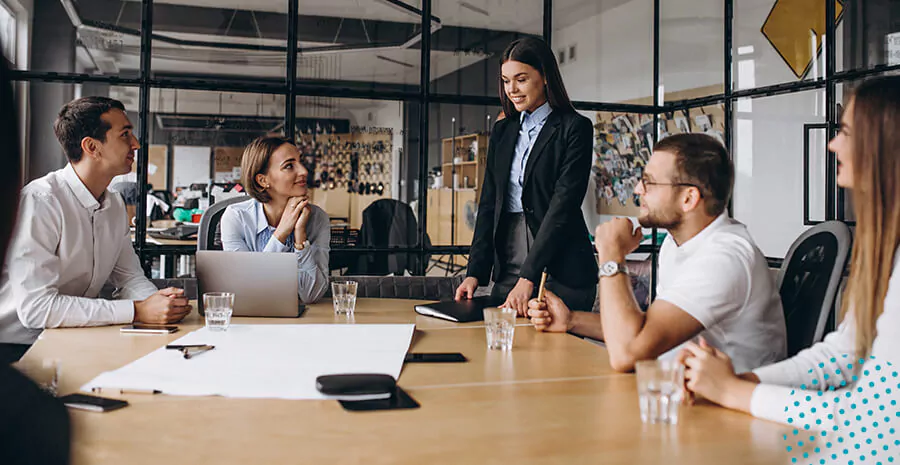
471	149
472	152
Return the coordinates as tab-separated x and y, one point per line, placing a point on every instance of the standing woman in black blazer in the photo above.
529	215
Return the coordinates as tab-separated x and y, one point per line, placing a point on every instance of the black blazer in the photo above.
555	182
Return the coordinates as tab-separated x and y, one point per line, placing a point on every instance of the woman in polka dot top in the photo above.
841	395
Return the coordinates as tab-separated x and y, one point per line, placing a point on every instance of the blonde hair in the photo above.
876	173
255	160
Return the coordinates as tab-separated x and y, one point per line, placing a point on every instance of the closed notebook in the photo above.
461	312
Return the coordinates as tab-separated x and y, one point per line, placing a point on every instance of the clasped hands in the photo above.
294	219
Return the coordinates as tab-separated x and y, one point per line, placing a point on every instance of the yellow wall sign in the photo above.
789	29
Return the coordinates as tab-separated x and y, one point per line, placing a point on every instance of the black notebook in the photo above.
463	311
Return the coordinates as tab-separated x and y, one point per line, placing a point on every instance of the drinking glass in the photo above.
660	384
500	327
343	294
218	307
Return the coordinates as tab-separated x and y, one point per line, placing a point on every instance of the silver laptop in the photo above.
264	284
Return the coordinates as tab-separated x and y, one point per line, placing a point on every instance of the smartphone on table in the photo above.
149	329
434	357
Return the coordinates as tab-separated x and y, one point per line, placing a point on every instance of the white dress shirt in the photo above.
67	245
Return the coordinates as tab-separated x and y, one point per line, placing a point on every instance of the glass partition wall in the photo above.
392	102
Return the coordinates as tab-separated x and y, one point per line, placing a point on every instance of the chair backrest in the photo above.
387	223
404	287
809	280
208	236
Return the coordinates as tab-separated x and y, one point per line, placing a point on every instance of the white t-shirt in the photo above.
722	279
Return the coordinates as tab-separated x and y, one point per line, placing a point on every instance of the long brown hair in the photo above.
536	53
876	186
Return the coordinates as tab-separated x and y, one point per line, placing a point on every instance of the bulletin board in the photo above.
227	163
623	144
157	167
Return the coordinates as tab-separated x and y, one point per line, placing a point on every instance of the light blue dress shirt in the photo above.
245	229
530	127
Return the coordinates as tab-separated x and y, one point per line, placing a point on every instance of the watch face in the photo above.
609	268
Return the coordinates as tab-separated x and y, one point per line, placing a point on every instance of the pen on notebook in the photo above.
182	347
192	351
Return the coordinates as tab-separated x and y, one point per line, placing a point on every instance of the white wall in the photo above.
191	165
614	54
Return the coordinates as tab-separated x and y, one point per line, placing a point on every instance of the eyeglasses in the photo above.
646	182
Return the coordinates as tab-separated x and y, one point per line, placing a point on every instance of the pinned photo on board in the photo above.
682	124
623	124
703	122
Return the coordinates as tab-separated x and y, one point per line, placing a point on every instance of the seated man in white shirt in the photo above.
713	280
72	237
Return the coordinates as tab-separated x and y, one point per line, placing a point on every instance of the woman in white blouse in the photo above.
846	389
280	217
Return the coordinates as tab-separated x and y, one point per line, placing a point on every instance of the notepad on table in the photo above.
462	311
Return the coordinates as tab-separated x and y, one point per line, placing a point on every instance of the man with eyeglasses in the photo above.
713	280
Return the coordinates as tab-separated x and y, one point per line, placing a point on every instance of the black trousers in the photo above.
517	242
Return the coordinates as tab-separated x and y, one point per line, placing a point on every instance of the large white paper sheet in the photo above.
265	361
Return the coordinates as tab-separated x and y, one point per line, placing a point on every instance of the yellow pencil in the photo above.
540	297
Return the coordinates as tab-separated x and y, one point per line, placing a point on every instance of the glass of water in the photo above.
218	307
500	326
343	293
660	385
44	373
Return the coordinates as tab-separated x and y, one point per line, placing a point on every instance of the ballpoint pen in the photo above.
127	391
192	349
184	346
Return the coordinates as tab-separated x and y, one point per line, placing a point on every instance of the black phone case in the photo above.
355	384
435	358
400	400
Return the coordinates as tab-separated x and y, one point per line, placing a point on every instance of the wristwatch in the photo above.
612	268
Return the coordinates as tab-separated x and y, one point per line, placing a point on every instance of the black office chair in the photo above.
404	287
388	223
209	237
809	280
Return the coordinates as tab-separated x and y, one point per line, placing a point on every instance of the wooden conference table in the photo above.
553	399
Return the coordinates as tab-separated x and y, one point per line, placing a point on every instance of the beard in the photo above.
661	220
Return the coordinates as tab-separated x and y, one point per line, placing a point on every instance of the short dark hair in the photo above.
81	118
536	53
703	161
